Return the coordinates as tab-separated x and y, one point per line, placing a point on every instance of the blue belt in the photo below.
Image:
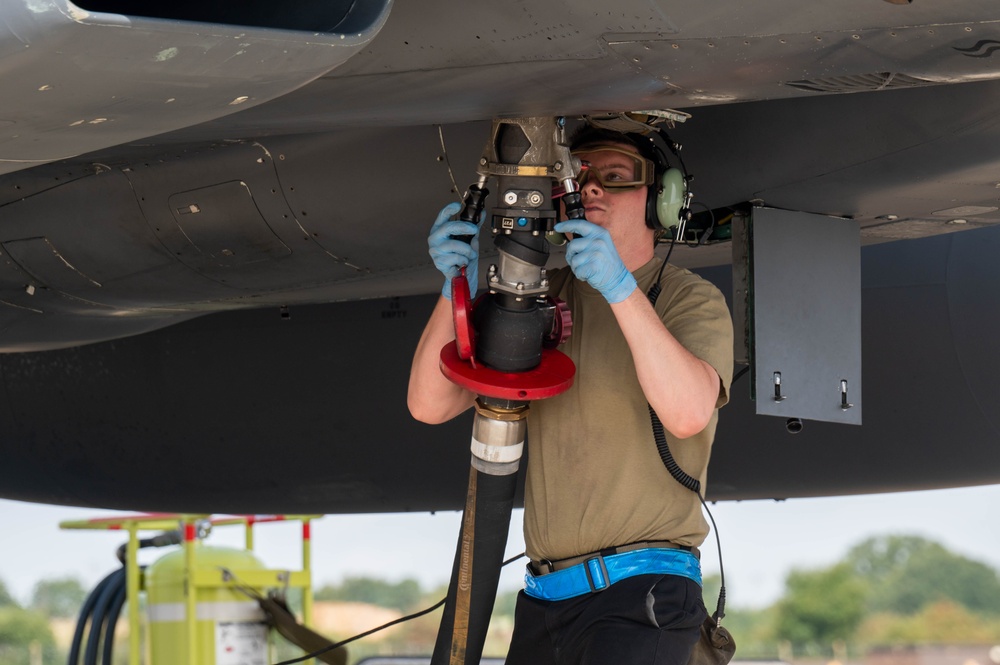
600	572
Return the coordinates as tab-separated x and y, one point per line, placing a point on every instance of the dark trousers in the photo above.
646	619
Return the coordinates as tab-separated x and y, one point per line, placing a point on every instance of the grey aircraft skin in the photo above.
213	220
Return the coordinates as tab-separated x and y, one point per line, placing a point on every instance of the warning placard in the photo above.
240	643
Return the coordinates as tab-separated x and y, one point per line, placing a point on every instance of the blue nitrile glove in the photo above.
449	254
592	256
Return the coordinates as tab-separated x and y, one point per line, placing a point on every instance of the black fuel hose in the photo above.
476	571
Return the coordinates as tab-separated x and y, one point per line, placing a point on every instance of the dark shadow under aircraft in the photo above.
213	219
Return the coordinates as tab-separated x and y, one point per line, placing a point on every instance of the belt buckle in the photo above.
602	570
543	567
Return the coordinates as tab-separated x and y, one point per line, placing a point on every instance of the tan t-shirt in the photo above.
595	478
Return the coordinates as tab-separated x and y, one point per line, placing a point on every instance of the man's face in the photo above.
616	208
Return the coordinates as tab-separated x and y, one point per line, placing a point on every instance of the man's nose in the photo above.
591	187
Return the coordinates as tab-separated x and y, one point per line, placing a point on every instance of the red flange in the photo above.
553	376
461	311
562	324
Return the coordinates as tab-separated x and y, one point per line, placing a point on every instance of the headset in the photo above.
667	200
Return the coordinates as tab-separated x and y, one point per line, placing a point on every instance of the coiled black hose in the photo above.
103	606
99	617
95	613
111	621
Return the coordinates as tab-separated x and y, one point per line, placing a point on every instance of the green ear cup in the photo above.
670	200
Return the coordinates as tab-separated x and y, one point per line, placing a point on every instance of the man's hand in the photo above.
592	256
449	254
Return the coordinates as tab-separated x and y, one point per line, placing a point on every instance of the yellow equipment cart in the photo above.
200	599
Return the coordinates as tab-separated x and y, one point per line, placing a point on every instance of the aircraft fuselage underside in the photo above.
268	189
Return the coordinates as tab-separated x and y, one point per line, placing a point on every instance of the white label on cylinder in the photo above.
238	643
245	611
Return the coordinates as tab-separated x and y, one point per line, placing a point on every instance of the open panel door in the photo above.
798	295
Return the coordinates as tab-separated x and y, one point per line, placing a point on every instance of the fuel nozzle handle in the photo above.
472	207
574	205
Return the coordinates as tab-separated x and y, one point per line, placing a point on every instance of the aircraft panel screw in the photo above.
778	397
844	404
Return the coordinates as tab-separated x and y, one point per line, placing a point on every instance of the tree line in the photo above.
888	590
26	630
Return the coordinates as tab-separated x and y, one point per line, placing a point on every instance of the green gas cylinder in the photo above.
229	626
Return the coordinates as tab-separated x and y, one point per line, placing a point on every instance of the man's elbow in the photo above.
428	412
700	409
428	417
422	412
693	422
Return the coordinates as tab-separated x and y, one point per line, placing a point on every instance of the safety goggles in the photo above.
614	167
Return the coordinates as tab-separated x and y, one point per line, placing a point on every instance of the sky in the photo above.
761	540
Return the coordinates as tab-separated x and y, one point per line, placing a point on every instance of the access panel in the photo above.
805	315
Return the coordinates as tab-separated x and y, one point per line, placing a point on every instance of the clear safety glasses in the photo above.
614	167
